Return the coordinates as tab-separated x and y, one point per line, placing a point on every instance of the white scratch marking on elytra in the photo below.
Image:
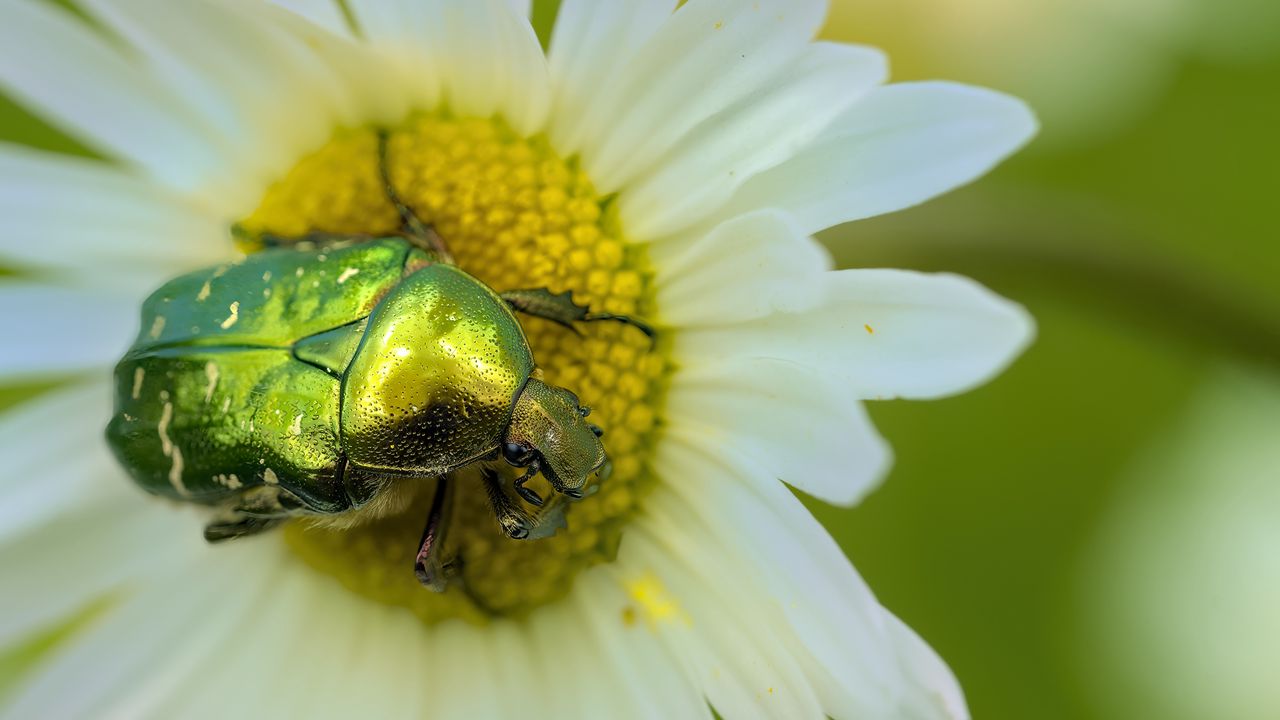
269	477
266	276
170	450
226	404
348	274
296	428
205	290
157	327
162	428
298	272
175	473
138	375
211	372
235	315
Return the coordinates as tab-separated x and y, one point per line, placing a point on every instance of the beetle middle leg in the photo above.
430	570
562	310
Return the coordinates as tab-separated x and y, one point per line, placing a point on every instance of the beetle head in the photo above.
549	427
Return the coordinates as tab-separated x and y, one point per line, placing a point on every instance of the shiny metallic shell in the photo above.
236	378
434	381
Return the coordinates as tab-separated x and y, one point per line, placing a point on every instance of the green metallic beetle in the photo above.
317	377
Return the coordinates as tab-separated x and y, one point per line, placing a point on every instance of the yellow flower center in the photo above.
514	215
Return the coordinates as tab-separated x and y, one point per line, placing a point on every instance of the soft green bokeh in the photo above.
1140	231
1147	250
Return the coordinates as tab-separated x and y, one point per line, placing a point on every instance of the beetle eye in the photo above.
584	411
517	454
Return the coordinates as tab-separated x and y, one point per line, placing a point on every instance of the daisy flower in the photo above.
666	162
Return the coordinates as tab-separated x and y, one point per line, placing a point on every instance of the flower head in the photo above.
669	163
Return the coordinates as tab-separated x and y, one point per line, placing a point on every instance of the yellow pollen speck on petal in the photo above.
870	330
515	215
650	594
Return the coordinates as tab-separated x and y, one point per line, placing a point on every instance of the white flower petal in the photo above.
80	83
731	646
111	227
579	685
517	668
405	36
77	560
128	660
260	671
899	146
56	461
53	331
591	43
499	65
270	65
325	13
745	268
709	55
849	646
802	428
760	131
484	57
646	680
884	334
938	694
463	658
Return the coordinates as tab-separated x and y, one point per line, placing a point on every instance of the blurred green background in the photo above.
1140	230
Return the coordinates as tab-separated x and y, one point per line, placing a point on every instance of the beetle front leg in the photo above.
562	310
514	522
529	495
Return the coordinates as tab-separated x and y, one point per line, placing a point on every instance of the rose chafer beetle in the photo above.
315	378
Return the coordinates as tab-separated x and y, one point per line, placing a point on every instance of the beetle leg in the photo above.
427	565
529	495
255	510
230	527
513	521
551	518
414	229
562	310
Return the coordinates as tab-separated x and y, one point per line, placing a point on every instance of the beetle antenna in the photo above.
409	220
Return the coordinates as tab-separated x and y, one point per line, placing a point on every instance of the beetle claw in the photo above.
529	495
